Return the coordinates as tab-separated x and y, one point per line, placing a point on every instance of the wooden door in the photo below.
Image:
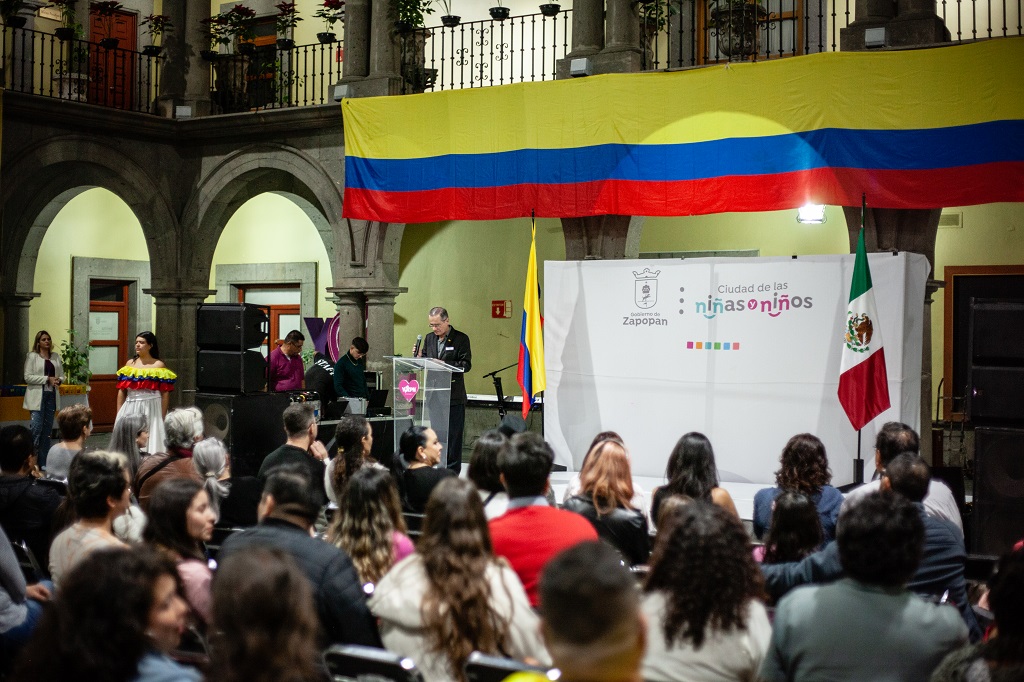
112	70
108	348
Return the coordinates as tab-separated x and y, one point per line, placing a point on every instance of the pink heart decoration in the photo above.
408	389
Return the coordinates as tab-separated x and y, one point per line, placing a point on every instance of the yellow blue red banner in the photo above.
531	374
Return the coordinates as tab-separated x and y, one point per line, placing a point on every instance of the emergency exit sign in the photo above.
501	309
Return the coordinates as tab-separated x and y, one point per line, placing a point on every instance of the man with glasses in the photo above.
450	346
350	371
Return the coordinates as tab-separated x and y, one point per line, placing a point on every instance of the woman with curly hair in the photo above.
703	598
265	620
691	471
369	524
804	469
453	597
795	531
606	500
354	440
116	618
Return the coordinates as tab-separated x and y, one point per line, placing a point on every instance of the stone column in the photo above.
185	78
350	304
606	236
16	334
622	30
176	330
587	27
357	40
380	334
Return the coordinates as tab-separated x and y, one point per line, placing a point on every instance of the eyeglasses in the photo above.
435	326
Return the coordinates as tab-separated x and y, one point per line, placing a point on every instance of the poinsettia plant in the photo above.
331	11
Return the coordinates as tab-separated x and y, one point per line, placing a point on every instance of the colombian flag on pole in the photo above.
531	372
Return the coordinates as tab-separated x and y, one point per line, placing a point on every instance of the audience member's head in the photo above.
803	465
74	422
691	468
590	615
892	439
265	620
795	529
413	443
183	427
600	438
128	431
288	494
354	439
299	420
368	515
16	450
668	508
703	566
179	518
1005	597
98	484
210	460
526	465
606	477
880	539
908	475
113	607
483	463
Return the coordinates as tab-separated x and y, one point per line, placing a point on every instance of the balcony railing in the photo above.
40	64
481	53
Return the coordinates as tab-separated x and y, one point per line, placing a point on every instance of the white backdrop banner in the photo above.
745	350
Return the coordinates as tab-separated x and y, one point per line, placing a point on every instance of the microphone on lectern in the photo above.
416	348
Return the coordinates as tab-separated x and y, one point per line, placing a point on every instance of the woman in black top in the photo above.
420	451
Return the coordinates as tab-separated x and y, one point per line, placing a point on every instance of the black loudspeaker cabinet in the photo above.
995	369
230	371
998	518
250	426
230	326
997	327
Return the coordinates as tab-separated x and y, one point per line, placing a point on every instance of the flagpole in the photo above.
858	462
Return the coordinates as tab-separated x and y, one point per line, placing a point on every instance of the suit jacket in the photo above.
35	378
456	352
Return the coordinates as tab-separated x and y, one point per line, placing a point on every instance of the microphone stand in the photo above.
502	411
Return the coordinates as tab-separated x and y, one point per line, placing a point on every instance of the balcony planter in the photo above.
231	83
403	26
326	38
153	50
109	43
550	9
15	22
209	55
72	86
736	24
450	21
246	49
64	33
499	13
285	43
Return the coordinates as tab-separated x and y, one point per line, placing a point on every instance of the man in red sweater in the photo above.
532	532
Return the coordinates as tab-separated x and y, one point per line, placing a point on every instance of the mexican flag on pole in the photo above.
863	384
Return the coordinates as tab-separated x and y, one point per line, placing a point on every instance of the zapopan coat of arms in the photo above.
645	291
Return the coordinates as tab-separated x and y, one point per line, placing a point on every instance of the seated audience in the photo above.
803	469
288	510
74	424
794	532
354	440
703	600
302	448
453	597
1001	657
893	439
590	616
183	429
27	503
369	525
941	571
639	500
265	620
606	500
415	469
233	499
21	604
866	626
130	437
483	472
691	471
531	532
116	618
180	522
98	491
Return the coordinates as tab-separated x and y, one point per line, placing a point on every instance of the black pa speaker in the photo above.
223	371
230	326
998	518
995	369
250	426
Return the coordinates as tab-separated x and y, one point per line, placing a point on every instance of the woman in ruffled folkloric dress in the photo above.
144	386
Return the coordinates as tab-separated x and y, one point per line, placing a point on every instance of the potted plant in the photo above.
285	22
331	11
68	25
232	25
156	25
75	361
9	13
105	10
409	14
550	9
448	19
499	12
735	23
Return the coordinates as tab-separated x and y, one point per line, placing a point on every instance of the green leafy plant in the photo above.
224	27
287	17
735	13
10	8
411	12
157	25
67	12
654	15
331	11
75	60
75	361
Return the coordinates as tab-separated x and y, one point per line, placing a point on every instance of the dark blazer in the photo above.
337	590
457	353
624	529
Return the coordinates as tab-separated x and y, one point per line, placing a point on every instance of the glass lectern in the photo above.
423	394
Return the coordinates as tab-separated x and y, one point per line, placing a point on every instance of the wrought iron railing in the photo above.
77	70
274	77
482	53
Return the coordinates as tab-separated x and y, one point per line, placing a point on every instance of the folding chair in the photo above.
349	662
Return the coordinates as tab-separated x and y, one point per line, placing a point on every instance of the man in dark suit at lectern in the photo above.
452	347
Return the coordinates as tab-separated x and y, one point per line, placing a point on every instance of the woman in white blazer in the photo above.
43	374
